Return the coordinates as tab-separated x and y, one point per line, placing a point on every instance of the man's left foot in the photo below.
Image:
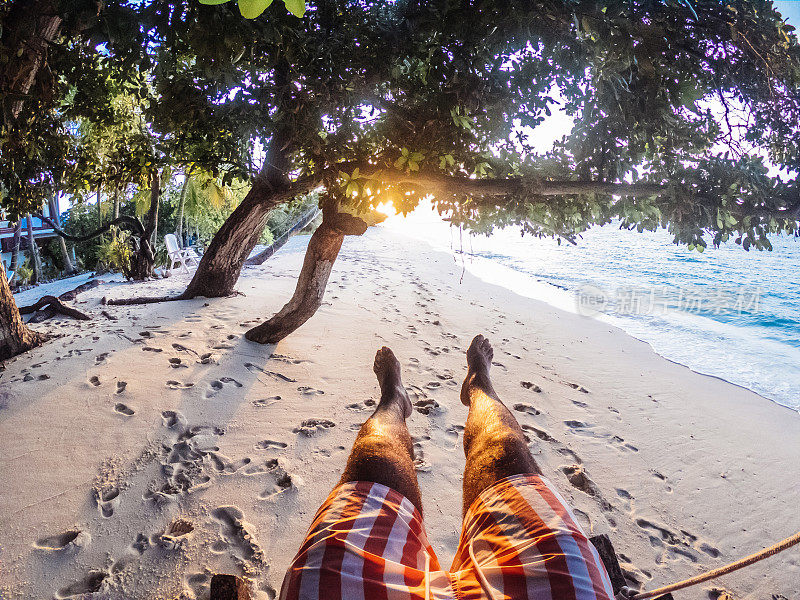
387	369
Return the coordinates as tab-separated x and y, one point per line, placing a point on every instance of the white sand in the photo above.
685	472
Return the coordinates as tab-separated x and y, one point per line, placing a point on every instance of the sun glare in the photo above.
387	208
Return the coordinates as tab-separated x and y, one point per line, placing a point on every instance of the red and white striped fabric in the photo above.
519	541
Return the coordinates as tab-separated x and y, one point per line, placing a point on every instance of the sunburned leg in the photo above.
494	443
383	452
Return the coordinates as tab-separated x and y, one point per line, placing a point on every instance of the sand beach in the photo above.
153	446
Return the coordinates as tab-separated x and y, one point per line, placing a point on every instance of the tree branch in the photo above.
135	224
55	304
435	183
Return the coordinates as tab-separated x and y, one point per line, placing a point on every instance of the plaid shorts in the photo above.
519	540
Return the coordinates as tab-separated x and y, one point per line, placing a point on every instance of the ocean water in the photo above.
725	312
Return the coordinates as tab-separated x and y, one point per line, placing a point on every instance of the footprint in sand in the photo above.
124	409
271	445
173	419
177	363
88	585
199	584
236	539
527	409
589	430
177	385
420	464
122	563
675	544
576	386
309	391
446	438
258	469
121	385
94	380
662	477
107	499
578	478
529	385
540	433
288	359
274	374
72	538
217	385
283	483
356	407
226	466
328	452
311	427
151	349
265	402
176	534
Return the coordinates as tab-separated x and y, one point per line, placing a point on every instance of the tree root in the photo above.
49	306
84	287
143	300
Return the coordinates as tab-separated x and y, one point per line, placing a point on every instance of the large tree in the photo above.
676	108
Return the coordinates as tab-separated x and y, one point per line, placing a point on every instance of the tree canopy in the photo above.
679	107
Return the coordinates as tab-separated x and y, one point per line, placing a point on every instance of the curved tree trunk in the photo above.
323	248
15	336
36	260
143	260
222	262
69	269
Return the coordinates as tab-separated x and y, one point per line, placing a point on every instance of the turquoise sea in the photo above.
725	312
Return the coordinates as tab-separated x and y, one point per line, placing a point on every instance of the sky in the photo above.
790	9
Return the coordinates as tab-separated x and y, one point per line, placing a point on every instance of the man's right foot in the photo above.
479	361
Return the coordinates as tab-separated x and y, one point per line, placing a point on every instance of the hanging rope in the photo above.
734	566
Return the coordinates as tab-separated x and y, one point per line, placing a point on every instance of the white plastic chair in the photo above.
178	256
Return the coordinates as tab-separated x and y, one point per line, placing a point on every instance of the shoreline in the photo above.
564	298
684	471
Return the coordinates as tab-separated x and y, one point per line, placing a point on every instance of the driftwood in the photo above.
140	300
84	287
228	587
51	306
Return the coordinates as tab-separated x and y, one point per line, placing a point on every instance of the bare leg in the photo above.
383	452
494	443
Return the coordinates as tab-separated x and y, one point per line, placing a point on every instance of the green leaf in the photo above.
296	7
214	1
250	9
398	164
